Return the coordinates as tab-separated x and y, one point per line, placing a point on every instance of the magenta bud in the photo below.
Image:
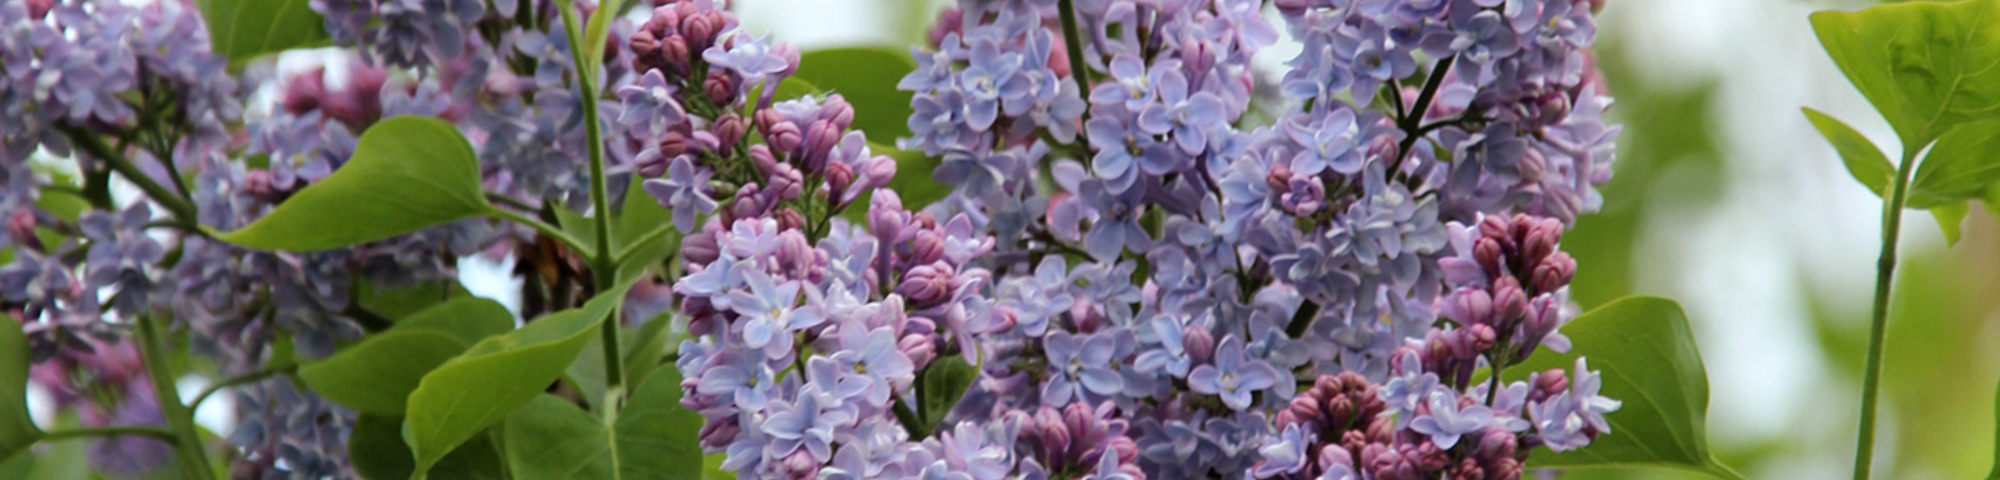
1509	301
673	144
1496	443
886	218
674	51
1495	227
821	138
1303	409
1554	273
924	286
1482	338
1491	258
926	246
784	137
720	88
700	248
1200	344
1469	306
1541	241
767	118
303	93
836	109
789	219
1280	179
698	30
1548	384
920	348
728	130
21	226
838	178
761	157
714	434
879	171
800	465
747	203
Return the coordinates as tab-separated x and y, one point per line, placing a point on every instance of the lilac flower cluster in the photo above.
1173	297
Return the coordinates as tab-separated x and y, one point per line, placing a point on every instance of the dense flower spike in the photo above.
1146	266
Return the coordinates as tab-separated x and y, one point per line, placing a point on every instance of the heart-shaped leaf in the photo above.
1927	67
480	387
409	173
867	78
17	430
1648	358
945	380
244	29
653	438
1865	162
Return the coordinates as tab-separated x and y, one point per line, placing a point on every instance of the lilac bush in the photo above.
1104	246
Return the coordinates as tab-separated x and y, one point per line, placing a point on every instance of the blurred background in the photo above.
1726	200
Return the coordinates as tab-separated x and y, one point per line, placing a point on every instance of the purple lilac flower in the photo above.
1081	368
1232	376
1447	422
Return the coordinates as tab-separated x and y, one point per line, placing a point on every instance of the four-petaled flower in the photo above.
1234	376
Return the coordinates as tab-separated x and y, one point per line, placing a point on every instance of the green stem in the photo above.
547	230
1885	270
1413	119
66	434
1073	39
1302	319
238	380
180	421
602	265
909	419
183	211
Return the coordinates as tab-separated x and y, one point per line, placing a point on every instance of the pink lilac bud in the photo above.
926	246
719	88
836	109
950	21
1531	166
820	139
1052	431
643	44
879	171
783	136
1548	384
886	218
1468	306
786	183
700	248
1491	257
728	131
1554	273
1496	443
1279	180
700	30
747	203
714	434
1199	58
761	157
673	144
1481	337
926	285
1199	344
1541	241
800	465
1467	469
1509	301
919	347
790	219
674	54
258	184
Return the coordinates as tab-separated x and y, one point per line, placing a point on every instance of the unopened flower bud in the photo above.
926	247
720	88
920	348
800	465
700	248
1199	343
761	157
1280	179
820	139
1509	301
1467	306
1541	241
1481	337
1554	273
835	109
728	130
784	137
1491	258
925	285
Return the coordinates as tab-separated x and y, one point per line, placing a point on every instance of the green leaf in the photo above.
377	375
244	29
1950	218
1959	167
653	438
790	88
944	382
642	355
377	451
17	430
400	303
1992	200
711	468
496	376
1865	162
639	216
867	78
409	173
1649	361
467	319
656	437
596	31
1927	67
